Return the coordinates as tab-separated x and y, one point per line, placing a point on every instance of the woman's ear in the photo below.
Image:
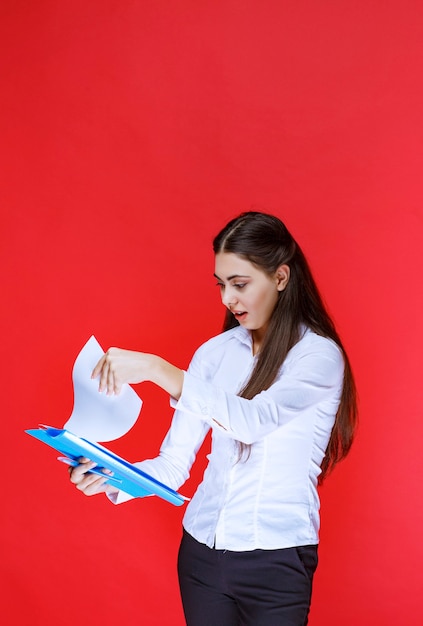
282	276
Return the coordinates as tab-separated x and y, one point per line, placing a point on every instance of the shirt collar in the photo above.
243	335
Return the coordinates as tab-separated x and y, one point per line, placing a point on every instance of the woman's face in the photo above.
248	292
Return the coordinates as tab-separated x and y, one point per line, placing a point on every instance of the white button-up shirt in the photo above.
268	500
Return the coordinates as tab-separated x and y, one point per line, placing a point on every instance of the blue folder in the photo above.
127	477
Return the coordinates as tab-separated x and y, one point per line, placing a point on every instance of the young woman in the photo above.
276	389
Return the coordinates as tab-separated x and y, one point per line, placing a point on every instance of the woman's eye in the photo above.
240	285
220	285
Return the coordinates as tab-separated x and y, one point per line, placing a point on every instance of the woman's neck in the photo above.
257	337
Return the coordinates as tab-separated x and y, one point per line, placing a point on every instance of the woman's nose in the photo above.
229	298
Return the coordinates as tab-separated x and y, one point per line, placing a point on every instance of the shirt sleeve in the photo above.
177	454
312	376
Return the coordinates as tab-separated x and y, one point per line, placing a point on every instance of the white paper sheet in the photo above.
97	416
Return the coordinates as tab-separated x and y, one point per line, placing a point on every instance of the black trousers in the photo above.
255	588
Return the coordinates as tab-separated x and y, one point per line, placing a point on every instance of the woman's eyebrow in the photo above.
233	276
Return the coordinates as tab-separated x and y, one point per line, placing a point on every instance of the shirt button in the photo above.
204	410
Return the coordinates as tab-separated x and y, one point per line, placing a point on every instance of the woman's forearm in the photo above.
166	376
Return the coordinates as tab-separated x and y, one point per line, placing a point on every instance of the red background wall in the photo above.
130	133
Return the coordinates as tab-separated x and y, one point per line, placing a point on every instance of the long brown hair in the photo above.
265	241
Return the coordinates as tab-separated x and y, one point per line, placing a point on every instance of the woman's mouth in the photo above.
240	315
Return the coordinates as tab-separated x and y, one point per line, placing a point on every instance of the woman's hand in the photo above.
90	484
117	367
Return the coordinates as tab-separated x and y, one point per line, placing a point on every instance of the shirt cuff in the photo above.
201	399
119	497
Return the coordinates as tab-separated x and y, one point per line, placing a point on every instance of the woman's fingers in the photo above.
78	472
98	368
105	369
92	485
104	376
111	381
87	482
